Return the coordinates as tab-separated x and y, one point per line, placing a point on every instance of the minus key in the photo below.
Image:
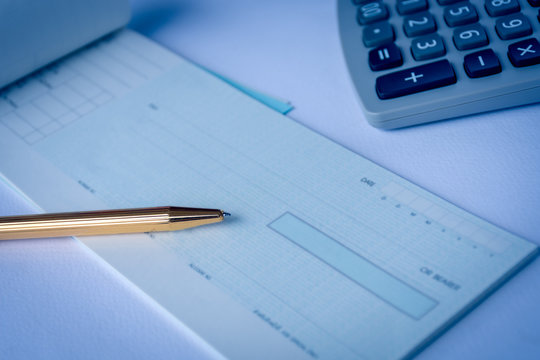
415	79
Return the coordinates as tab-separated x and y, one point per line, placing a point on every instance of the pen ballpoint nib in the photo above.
183	218
226	213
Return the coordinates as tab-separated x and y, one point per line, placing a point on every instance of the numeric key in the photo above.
501	7
460	14
419	24
513	26
470	37
371	12
405	7
427	47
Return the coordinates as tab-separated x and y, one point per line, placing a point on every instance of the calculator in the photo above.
417	61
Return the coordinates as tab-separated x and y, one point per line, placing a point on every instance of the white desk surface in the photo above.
59	300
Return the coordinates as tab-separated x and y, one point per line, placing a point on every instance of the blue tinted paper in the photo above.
272	102
372	278
367	265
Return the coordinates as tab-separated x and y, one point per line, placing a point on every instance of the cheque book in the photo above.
327	255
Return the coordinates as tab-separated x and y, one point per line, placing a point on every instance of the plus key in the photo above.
416	79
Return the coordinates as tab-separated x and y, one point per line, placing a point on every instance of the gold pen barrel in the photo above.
166	218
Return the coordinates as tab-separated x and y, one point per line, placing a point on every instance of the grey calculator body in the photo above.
512	86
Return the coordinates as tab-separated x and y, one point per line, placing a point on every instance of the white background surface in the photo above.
60	300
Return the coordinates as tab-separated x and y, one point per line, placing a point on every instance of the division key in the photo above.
415	79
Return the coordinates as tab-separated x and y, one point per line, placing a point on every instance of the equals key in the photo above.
385	57
416	79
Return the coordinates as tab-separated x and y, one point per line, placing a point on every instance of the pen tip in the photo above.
226	213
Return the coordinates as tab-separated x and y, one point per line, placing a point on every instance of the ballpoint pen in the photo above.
165	218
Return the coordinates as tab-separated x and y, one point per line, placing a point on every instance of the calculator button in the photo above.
513	26
470	37
371	12
378	34
460	14
447	2
482	63
427	47
524	53
405	7
385	57
419	24
501	7
416	79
